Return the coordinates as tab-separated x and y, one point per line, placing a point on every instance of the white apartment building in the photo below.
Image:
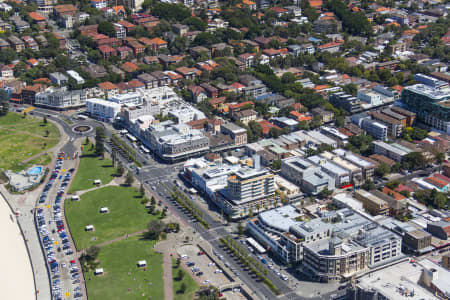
102	108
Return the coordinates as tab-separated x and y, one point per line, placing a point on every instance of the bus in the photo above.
131	138
256	245
144	149
82	117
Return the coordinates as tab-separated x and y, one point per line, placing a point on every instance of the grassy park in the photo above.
189	282
22	138
126	215
122	279
92	167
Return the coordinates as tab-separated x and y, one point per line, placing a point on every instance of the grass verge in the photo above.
126	215
91	168
190	283
21	138
122	279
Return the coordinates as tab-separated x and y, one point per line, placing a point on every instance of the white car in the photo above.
218	271
206	282
211	264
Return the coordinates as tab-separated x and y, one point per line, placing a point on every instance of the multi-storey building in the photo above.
174	143
345	101
308	176
431	105
101	108
238	134
392	151
61	98
249	190
334	247
373	128
373	204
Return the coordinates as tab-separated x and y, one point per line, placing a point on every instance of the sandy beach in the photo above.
16	275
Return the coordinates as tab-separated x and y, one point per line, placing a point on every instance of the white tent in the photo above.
142	263
104	210
97	182
98	271
89	227
75	198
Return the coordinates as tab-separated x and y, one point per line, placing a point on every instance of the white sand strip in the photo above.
16	274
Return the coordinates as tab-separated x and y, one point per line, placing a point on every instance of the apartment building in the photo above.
346	101
392	151
373	204
306	175
61	98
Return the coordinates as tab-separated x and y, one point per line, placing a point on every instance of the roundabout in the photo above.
82	129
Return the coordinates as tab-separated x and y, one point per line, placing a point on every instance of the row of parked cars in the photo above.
52	247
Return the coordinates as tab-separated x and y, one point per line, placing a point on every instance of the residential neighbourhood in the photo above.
226	149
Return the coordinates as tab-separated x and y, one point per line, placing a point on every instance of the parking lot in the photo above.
59	251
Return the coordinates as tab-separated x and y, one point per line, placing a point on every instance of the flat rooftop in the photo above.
390	280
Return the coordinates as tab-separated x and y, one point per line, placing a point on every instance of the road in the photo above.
158	177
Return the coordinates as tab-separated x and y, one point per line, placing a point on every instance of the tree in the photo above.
274	132
382	170
86	140
180	275
120	169
141	190
92	252
240	229
325	193
439	157
130	179
182	288
154	230
99	140
113	157
413	160
152	201
44	120
276	165
107	28
368	185
4	102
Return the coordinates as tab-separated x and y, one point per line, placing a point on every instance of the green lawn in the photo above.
91	168
126	215
117	260
21	138
191	284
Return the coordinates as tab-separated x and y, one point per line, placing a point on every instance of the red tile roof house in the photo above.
173	76
266	126
279	11
109	88
137	47
239	106
128	26
89	29
136	84
330	47
238	87
38	19
188	73
299	116
112	42
107	51
129	67
155	44
198	93
124	52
